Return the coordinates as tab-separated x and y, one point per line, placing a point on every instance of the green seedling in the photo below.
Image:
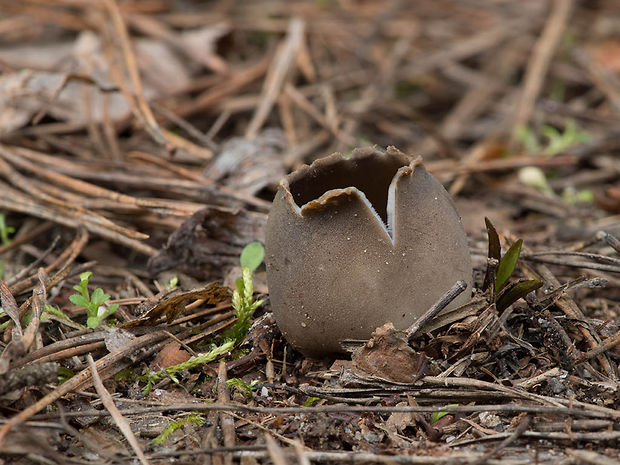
173	283
5	230
126	375
175	425
558	142
310	400
51	310
6	323
514	291
252	256
244	305
64	374
45	316
241	352
535	177
243	296
261	38
507	265
436	416
572	196
529	140
241	386
554	141
94	304
506	292
153	377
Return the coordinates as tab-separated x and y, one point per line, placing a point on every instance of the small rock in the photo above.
489	420
556	385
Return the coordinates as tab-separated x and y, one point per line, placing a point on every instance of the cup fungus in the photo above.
354	242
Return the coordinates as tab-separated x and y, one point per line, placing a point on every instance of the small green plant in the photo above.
505	292
6	323
127	374
243	296
528	139
64	374
51	310
153	377
507	265
244	305
94	304
5	230
436	416
558	142
175	425
252	256
554	142
45	316
310	400
244	388
536	178
173	283
572	196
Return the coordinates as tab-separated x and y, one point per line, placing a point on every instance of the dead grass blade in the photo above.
108	403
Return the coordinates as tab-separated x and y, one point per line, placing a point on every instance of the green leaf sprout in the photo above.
515	291
553	141
506	292
244	388
173	283
252	256
310	400
5	230
436	416
507	265
243	296
94	304
175	425
153	377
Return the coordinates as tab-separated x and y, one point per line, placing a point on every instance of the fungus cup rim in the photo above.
407	168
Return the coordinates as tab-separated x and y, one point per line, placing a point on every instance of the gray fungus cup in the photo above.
352	243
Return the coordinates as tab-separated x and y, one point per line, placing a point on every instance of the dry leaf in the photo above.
173	304
387	355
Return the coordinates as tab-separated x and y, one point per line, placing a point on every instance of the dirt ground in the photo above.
141	146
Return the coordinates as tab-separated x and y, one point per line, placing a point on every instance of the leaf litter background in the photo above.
142	140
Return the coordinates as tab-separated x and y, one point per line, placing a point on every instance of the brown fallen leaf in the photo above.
174	303
398	421
388	355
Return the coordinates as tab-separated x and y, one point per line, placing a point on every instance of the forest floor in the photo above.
141	145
